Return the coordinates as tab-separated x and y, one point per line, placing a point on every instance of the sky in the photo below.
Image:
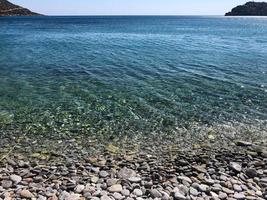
130	7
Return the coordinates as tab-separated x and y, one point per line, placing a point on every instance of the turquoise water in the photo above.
123	75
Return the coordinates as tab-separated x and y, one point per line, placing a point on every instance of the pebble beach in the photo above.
71	172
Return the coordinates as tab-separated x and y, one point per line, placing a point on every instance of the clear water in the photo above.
123	75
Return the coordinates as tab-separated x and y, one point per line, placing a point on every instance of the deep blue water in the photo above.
129	74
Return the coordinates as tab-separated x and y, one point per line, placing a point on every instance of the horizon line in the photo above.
141	15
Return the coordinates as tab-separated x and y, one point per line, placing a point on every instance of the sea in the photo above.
127	75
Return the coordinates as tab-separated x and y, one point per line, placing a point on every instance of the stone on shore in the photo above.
235	166
126	173
115	188
15	178
26	194
251	172
243	143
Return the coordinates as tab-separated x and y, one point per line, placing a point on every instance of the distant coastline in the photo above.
10	9
249	9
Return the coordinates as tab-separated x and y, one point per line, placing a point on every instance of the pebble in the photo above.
135	179
93	198
126	173
179	196
235	166
15	178
193	191
239	196
228	191
105	197
115	188
237	188
183	189
184	178
41	197
155	193
209	181
103	174
214	195
222	195
203	188
264	153
165	195
79	188
125	192
138	192
251	172
26	194
243	143
64	195
117	196
6	184
95	179
111	181
199	169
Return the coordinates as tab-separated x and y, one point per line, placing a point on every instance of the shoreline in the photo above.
107	171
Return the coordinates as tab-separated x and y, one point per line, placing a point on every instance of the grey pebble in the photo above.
155	193
117	196
179	196
251	172
15	178
239	196
235	166
222	195
138	192
237	188
126	173
193	191
6	184
105	197
135	179
125	192
103	174
111	181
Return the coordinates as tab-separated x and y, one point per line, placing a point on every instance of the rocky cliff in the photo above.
249	9
10	9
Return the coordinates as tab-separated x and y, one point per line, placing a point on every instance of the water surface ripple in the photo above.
120	75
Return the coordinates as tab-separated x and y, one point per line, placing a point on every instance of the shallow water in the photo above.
128	75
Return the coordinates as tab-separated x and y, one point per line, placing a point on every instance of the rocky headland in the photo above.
249	9
10	9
